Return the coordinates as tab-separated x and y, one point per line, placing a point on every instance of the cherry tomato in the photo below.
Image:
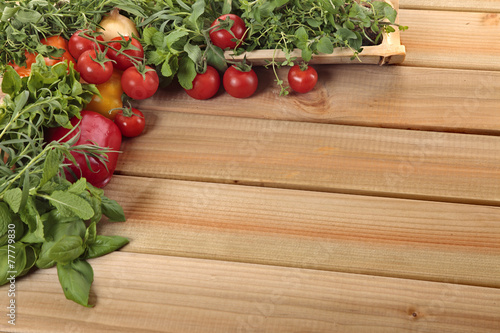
134	50
300	80
138	87
221	37
205	85
130	126
60	43
240	84
78	44
91	70
111	97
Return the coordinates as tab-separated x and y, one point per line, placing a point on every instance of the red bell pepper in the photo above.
96	129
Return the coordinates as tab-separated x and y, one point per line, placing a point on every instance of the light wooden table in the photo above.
368	205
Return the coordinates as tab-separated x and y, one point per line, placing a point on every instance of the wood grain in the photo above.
462	5
333	158
169	294
388	96
448	39
378	236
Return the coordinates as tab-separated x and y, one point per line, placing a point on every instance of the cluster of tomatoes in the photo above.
115	67
240	80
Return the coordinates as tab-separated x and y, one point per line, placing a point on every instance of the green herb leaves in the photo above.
44	219
76	278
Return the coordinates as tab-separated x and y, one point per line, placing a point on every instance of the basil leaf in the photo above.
112	210
12	261
66	249
104	245
76	279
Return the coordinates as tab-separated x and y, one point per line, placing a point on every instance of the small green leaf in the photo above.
187	73
11	82
50	166
5	217
69	203
29	214
325	45
8	12
76	279
148	34
15	267
390	13
112	210
66	249
198	9
44	261
215	58
78	187
25	15
105	244
13	198
306	54
194	52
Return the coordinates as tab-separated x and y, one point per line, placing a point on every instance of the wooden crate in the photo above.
390	51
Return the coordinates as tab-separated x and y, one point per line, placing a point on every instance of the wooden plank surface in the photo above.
147	293
379	236
388	96
347	159
460	5
448	39
323	212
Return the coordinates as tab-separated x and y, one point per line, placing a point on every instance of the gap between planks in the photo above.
147	293
356	234
347	159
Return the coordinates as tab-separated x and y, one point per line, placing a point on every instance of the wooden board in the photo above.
146	293
306	214
449	39
358	234
387	96
346	159
462	5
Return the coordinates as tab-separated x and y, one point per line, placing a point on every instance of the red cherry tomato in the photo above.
240	84
91	70
78	44
134	50
205	85
60	43
221	37
300	80
130	126
138	87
